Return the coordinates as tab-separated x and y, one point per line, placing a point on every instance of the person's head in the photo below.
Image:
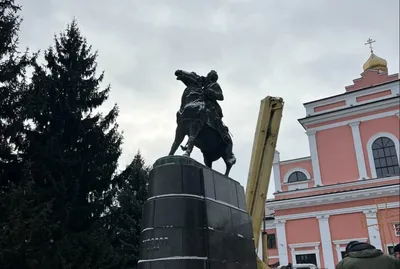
396	251
357	246
212	76
350	245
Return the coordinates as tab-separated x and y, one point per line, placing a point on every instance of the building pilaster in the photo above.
281	242
373	228
326	241
338	252
277	172
362	169
314	157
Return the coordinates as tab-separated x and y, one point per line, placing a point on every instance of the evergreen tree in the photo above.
13	206
71	156
12	84
132	185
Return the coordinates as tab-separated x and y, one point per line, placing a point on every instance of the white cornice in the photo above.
359	109
295	160
338	186
350	97
323	199
346	241
304	245
341	97
346	210
361	119
271	224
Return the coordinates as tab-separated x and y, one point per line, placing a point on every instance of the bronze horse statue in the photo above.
194	119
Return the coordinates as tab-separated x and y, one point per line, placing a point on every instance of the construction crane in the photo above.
264	144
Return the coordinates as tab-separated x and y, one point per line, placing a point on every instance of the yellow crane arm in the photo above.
265	138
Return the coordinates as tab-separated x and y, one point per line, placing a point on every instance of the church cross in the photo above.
369	42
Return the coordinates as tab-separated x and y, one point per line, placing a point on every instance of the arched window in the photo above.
385	157
297	176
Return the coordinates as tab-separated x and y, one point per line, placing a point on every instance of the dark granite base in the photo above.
195	218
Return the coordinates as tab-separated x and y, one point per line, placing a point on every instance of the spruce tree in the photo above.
13	205
71	156
132	185
12	85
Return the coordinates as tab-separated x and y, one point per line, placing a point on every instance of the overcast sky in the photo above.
299	50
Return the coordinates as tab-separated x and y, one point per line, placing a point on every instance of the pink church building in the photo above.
348	189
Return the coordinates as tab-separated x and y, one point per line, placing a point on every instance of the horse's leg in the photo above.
194	130
179	136
229	158
207	161
228	168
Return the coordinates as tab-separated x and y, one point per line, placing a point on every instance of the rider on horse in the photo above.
213	94
200	118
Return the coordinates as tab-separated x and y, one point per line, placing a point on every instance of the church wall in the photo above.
337	158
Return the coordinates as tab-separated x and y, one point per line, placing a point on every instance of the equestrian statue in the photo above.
200	118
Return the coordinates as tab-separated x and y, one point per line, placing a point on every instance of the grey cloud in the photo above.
300	50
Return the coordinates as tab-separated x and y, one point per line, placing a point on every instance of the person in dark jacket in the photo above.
361	255
396	251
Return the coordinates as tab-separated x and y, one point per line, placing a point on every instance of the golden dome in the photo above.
376	63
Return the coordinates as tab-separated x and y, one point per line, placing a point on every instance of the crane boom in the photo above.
265	138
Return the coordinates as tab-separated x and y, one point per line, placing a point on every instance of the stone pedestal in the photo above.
195	218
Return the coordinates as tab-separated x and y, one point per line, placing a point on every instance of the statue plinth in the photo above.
194	218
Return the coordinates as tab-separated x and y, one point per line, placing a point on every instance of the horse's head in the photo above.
189	79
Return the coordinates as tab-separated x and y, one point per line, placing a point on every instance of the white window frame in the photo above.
296	169
389	245
394	228
315	251
340	248
369	149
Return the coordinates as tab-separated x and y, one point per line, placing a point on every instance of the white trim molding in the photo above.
339	248
315	251
302	159
259	250
346	241
304	245
333	198
362	170
373	228
355	110
389	245
340	185
296	169
281	241
351	97
361	119
270	224
314	157
345	210
394	223
277	172
369	149
326	241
